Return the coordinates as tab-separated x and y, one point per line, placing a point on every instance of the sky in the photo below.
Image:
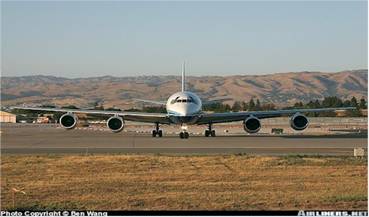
121	38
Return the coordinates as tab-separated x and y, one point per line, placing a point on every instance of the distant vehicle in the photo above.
185	108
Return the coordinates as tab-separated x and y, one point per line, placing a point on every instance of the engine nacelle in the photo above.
299	122
251	124
68	121
115	124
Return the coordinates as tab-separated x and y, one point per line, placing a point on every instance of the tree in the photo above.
354	102
298	105
245	106
236	106
227	108
363	104
268	107
332	101
251	105
69	107
257	106
316	104
310	104
347	103
47	106
132	110
113	109
355	112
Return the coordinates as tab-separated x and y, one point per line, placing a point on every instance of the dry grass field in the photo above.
173	182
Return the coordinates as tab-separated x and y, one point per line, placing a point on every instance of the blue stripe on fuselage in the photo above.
173	113
178	118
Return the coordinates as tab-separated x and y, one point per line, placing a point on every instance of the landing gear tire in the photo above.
184	135
157	132
210	132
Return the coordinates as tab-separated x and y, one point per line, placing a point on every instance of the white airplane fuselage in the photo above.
184	107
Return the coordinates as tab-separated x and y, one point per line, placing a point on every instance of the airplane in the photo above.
185	108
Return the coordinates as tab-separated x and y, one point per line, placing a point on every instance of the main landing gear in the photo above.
209	132
157	131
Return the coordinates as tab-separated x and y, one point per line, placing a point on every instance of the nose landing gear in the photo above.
157	131
184	134
210	132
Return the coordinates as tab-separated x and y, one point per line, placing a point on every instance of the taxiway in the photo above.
39	139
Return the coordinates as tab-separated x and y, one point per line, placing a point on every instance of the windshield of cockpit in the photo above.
189	99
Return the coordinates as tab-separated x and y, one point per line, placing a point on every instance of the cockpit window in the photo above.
174	100
192	100
185	100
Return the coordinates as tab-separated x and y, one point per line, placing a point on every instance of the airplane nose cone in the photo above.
184	111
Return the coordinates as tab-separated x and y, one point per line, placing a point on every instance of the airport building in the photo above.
6	117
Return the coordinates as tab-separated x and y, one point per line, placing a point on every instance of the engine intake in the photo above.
115	124
252	124
299	122
68	121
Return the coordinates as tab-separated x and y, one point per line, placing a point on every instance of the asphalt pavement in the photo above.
45	139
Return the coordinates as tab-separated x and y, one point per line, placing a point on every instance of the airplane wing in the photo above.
240	116
160	118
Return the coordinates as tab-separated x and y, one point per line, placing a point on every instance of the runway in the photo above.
51	140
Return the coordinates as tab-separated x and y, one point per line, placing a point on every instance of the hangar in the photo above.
6	117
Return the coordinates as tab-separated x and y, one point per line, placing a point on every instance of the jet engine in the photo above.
115	124
299	122
251	124
68	121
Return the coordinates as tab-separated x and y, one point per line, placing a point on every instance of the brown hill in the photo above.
281	88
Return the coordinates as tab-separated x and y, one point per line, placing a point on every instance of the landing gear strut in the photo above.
210	132
184	134
157	131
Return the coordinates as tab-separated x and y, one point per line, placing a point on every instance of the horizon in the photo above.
179	75
87	39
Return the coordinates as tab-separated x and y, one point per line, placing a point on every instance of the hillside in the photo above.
280	88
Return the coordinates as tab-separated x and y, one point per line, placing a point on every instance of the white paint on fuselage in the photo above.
184	104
